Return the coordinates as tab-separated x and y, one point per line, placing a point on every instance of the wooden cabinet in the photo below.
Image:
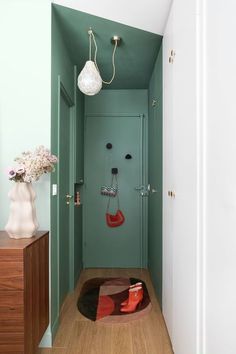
24	292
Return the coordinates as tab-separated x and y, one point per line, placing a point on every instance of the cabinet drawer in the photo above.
12	343
11	305
23	293
9	255
11	276
11	325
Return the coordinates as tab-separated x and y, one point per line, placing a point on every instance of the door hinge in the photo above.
154	102
171	194
172	57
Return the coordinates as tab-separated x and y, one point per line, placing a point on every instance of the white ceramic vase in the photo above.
22	222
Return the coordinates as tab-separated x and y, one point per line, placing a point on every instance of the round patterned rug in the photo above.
100	300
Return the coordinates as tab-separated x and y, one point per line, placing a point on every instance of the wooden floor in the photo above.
78	335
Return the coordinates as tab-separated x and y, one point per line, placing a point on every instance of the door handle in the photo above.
144	190
139	188
68	198
171	194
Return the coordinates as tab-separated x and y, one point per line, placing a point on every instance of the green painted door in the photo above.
155	171
64	174
120	246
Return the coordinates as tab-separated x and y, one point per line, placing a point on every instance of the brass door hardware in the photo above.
171	194
68	198
172	56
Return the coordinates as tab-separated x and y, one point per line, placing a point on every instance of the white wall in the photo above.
220	256
149	15
25	92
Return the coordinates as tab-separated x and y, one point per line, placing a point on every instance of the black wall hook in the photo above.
114	171
109	146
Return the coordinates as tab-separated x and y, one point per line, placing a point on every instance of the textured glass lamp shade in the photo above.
89	80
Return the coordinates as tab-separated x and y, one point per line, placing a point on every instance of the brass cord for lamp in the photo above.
95	57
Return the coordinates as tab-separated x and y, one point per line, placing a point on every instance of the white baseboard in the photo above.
46	341
49	335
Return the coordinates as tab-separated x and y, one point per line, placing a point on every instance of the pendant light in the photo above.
89	79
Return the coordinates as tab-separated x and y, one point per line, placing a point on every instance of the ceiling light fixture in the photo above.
89	79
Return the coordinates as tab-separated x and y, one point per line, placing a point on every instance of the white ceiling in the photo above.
148	15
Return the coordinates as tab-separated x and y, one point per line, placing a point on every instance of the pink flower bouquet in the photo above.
32	165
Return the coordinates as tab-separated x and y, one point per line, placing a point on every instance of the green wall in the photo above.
155	177
63	68
78	178
117	101
135	57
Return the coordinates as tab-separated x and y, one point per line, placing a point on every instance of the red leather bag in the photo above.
115	220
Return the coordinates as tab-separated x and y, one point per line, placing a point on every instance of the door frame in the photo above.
63	92
144	177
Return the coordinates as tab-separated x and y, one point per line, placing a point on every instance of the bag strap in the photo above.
117	196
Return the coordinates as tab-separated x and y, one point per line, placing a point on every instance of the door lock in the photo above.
68	198
139	188
144	190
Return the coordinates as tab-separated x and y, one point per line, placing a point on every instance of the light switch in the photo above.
54	189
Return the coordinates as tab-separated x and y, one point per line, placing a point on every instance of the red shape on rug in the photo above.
105	306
